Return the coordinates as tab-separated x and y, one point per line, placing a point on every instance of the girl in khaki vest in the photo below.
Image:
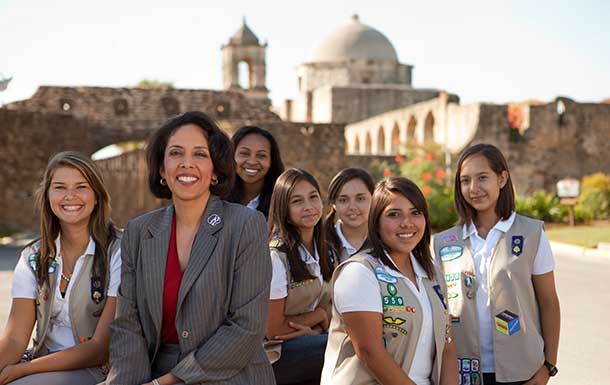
498	268
390	324
65	283
300	297
347	219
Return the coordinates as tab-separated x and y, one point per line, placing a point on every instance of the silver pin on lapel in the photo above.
214	219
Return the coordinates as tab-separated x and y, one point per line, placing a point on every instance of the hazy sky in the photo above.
492	51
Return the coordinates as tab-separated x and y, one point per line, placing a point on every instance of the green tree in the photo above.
155	84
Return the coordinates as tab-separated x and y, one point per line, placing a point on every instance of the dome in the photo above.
354	40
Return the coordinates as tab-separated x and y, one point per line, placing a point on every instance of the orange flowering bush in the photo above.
425	167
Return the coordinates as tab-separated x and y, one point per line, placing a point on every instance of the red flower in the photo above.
429	156
387	172
426	176
399	159
426	190
440	174
415	161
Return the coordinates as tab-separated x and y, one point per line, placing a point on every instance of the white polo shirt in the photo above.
279	282
356	289
482	250
351	250
59	335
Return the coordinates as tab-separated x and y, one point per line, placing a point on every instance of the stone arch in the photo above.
429	128
368	146
395	139
357	146
381	141
411	126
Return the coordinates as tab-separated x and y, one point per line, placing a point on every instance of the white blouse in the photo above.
59	335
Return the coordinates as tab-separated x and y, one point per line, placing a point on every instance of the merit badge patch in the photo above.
450	238
52	267
475	379
468	281
383	276
437	289
451	252
97	291
517	245
455	320
394	324
507	323
449	277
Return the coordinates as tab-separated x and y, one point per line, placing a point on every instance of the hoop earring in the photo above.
214	181
163	182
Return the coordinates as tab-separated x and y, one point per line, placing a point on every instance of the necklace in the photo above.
66	278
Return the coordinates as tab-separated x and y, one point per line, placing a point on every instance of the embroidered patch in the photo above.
52	267
214	219
455	320
475	379
465	379
384	276
452	295
468	281
451	252
474	365
393	301
507	323
295	284
394	324
517	245
392	289
437	289
466	365
97	291
452	277
450	238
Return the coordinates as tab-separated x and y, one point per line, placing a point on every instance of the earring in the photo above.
163	182
214	181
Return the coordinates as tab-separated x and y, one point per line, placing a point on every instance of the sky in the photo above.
482	50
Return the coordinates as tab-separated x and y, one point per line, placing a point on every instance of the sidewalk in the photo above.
578	251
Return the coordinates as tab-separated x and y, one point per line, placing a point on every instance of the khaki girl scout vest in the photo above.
517	338
87	300
402	324
301	296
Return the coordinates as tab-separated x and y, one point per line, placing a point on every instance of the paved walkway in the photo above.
585	344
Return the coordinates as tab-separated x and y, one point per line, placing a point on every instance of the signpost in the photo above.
568	190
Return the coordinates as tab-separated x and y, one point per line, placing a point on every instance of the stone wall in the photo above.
132	113
29	139
554	146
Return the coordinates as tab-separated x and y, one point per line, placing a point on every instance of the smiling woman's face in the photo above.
401	226
253	158
187	164
71	197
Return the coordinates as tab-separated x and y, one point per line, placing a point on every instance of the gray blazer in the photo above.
222	301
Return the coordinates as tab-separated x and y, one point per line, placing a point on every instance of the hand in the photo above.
11	373
300	330
325	322
541	377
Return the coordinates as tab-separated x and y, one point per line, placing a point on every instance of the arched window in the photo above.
357	146
170	106
429	128
244	74
381	141
395	139
121	107
367	144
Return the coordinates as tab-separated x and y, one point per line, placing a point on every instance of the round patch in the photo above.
392	289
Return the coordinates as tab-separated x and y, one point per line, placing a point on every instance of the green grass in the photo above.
582	235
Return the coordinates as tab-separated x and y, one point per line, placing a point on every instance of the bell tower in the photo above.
244	47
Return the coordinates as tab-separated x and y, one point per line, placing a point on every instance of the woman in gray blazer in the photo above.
195	276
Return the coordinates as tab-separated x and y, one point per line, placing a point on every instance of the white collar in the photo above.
350	249
417	267
253	204
503	226
306	255
89	251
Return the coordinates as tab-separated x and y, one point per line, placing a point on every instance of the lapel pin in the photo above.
214	220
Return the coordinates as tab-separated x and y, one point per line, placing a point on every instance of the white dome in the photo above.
354	40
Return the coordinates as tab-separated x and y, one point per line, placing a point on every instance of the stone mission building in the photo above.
355	103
